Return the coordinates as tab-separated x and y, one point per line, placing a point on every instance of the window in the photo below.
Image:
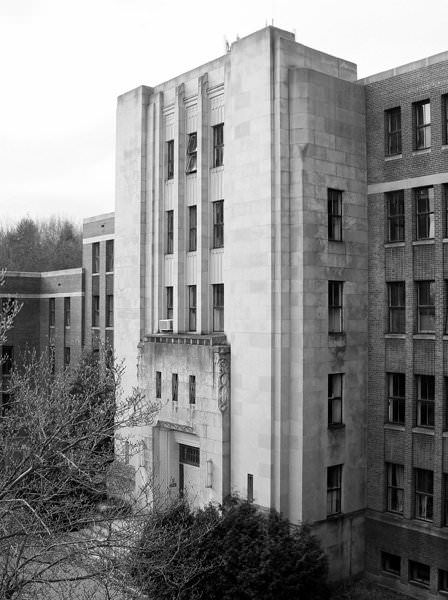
335	399
422	125
445	119
192	389
250	487
109	256
169	302
396	391
334	215
96	257
95	311
66	356
419	573
189	455
7	360
445	500
425	400
334	488
66	312
424	211
192	153
395	487
51	311
393	131
396	293
109	310
218	307
158	384
391	563
174	387
424	490
170	159
218	145
192	229
395	216
443	580
335	306
169	231
218	224
191	308
425	306
52	359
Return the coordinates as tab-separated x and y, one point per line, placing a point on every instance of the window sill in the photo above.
394	427
425	431
421	151
425	242
395	336
390	574
424	336
393	157
217	250
191	174
217	169
336	426
192	252
169	181
335	241
336	339
109	272
419	584
335	516
395	244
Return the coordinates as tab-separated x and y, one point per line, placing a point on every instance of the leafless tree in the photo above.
60	534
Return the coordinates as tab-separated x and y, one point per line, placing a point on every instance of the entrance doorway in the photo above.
189	473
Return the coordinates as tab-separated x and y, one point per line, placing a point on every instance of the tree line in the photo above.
46	245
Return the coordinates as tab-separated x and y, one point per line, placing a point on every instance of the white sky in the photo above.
64	62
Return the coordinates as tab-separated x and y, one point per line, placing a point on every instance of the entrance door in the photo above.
189	473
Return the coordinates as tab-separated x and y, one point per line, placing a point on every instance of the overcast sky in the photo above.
64	62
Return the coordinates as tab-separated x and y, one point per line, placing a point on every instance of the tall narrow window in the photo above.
191	308
218	307
192	153
334	490
422	125
335	306
424	212
95	311
445	500
396	293
335	399
109	256
174	387
192	228
158	384
192	390
445	119
334	215
170	159
96	257
218	145
395	487
169	302
425	400
169	231
424	494
218	224
66	356
7	360
426	309
395	216
396	391
66	312
52	359
109	310
250	487
392	119
51	312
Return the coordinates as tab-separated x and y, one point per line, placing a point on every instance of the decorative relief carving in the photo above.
175	426
222	364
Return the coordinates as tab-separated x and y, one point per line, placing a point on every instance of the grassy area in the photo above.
365	590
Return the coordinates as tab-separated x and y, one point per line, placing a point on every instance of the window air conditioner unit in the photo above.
166	325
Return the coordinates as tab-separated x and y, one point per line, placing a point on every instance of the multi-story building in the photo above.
63	312
407	493
241	301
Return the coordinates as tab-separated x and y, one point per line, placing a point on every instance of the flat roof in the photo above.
407	68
